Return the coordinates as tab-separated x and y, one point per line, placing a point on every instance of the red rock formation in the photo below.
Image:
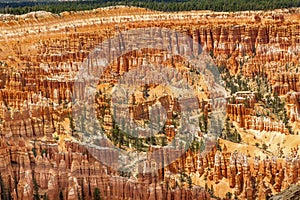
37	83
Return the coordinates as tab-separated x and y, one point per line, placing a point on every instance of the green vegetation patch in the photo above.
22	7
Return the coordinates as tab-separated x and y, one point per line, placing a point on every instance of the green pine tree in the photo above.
96	194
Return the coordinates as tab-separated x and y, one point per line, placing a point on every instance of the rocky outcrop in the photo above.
290	193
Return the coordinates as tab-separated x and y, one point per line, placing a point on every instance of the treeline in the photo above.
160	5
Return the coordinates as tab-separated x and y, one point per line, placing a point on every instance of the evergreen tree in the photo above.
96	194
36	194
228	195
164	141
61	195
189	181
72	124
212	192
45	197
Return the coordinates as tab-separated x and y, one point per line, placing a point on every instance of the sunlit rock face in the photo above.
41	53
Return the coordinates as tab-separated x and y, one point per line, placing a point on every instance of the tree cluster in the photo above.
22	7
230	133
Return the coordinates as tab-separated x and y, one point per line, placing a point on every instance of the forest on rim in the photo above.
22	7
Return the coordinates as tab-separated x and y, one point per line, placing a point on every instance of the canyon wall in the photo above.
41	53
